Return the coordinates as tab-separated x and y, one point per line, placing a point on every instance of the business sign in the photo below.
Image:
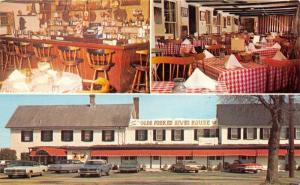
202	123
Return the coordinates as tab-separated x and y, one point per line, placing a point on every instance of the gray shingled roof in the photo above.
248	114
71	116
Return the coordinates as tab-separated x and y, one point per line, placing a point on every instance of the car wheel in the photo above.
81	175
196	171
107	173
10	176
41	174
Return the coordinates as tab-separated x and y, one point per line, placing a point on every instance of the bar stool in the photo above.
43	53
22	51
70	57
140	69
11	59
100	60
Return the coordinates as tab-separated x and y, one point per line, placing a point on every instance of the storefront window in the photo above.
46	135
27	136
87	135
155	158
214	158
108	135
141	135
67	135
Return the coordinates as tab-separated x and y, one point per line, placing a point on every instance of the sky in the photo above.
151	106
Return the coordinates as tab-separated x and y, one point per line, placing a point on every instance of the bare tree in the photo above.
275	104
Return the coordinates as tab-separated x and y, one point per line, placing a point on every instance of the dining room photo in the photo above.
249	46
74	46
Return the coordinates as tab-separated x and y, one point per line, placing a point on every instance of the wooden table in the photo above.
120	75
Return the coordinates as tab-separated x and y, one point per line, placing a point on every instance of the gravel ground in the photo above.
147	178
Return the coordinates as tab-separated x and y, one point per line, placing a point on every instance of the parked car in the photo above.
243	166
3	164
130	166
25	168
66	166
186	166
95	167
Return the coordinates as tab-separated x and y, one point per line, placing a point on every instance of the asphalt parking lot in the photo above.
146	178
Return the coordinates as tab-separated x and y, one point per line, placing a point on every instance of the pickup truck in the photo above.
94	167
186	166
243	166
25	168
66	166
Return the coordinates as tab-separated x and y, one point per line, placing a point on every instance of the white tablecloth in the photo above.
44	82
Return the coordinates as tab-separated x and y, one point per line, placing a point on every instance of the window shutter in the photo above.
103	134
255	133
245	134
146	138
164	135
62	135
182	135
92	136
172	135
295	133
82	137
22	136
136	135
113	135
229	133
71	135
195	135
288	133
217	132
239	133
154	135
261	133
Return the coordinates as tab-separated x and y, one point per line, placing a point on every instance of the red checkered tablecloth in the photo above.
250	79
169	49
167	87
266	52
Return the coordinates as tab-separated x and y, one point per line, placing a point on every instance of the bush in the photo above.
7	154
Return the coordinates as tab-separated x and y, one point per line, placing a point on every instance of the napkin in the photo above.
276	46
187	42
208	54
199	80
233	63
16	75
279	56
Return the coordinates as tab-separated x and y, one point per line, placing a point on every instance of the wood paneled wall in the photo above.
275	23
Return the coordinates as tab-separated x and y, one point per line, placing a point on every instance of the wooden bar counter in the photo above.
121	73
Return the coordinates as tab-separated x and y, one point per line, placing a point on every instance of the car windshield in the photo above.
63	162
22	163
94	162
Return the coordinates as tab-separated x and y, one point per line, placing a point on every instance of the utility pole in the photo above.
291	137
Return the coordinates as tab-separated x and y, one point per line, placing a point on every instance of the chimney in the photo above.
136	105
92	100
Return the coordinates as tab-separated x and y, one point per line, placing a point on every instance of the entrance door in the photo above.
192	20
249	25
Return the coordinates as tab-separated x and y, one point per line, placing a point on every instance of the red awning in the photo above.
220	152
265	152
49	151
141	153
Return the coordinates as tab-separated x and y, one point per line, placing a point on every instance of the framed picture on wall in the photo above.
157	15
202	16
236	21
184	12
224	22
228	21
130	2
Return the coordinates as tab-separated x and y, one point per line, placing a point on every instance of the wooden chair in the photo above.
11	60
215	49
178	67
100	60
70	58
44	53
141	69
22	51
